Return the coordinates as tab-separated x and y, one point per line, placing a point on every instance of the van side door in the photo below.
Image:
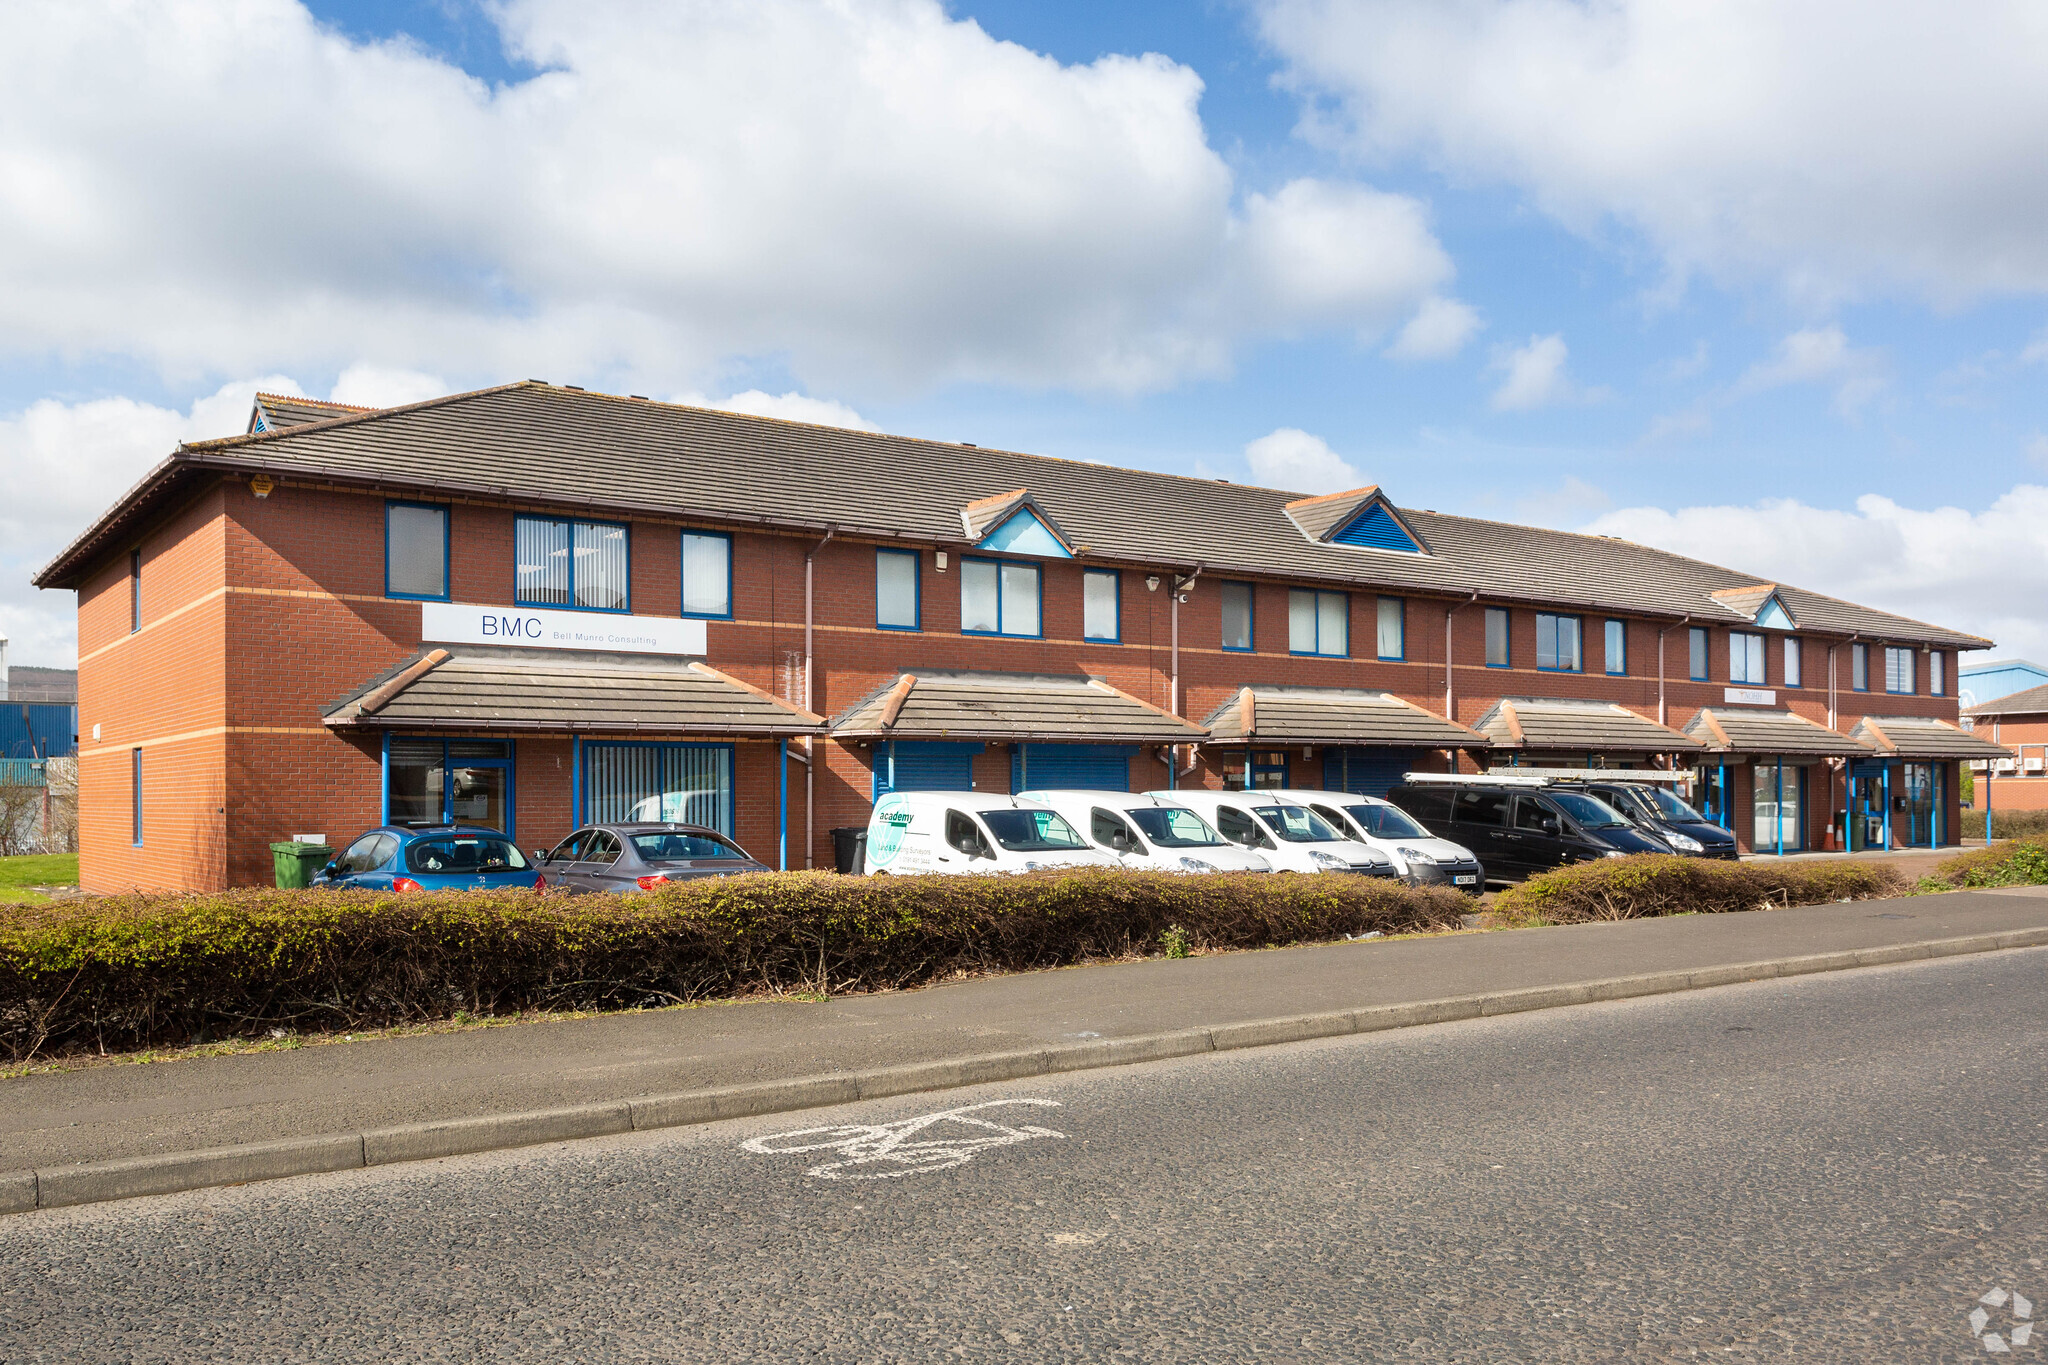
1539	832
1479	821
1238	827
1111	831
964	840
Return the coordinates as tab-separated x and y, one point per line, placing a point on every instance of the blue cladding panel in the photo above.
1375	528
1024	534
1070	767
1368	772
37	731
924	766
1773	616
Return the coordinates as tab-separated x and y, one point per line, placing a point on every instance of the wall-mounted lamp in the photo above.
1152	583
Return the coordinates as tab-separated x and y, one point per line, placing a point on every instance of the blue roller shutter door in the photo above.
1368	772
1071	767
924	766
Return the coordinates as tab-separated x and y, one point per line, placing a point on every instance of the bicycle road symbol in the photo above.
885	1151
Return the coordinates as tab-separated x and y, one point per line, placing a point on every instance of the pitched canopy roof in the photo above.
1735	731
1310	715
1923	737
1558	723
574	451
567	691
1010	708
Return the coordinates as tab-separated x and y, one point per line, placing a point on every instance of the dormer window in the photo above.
1363	519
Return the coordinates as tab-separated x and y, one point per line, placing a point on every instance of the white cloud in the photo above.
1833	145
380	386
1566	504
1981	571
871	193
794	407
1536	377
1292	459
1818	355
1439	329
2037	451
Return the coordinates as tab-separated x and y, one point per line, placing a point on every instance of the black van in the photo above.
1519	829
1661	813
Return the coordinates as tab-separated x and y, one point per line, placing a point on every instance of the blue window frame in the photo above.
1558	643
1318	623
416	565
135	795
899	590
1238	625
1859	668
134	591
1253	769
1498	653
1617	648
707	575
581	565
1746	663
1696	654
1937	680
620	780
1001	597
450	780
1898	671
1392	642
1102	606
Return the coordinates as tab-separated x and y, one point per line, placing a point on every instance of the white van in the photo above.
1148	832
971	832
1420	857
1285	833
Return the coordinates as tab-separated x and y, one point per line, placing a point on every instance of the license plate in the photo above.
1469	879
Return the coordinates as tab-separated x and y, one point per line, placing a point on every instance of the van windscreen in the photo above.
1174	827
1297	824
1031	831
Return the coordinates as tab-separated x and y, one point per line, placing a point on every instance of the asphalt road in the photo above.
1823	1168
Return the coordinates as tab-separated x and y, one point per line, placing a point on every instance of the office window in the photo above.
1101	605
1859	668
1496	637
1318	623
1696	649
1745	657
135	794
415	551
898	599
134	591
1898	669
1937	674
707	574
1557	643
1237	615
998	597
1392	644
569	564
1792	662
1617	648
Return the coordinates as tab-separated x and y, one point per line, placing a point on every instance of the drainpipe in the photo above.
1663	712
1178	587
810	741
1450	686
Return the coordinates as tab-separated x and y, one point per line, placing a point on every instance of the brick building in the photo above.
2017	723
533	605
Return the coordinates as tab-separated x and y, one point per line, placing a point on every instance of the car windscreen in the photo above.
671	847
1030	831
1173	827
1670	807
1297	824
1386	822
1589	811
459	854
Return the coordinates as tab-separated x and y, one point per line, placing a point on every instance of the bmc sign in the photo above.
459	623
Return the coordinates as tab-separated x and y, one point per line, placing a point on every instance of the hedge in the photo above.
117	973
1649	885
2022	862
2005	824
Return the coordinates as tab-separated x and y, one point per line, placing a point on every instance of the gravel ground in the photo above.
1826	1168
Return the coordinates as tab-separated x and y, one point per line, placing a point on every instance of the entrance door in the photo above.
1866	806
1245	771
1778	792
1915	820
455	781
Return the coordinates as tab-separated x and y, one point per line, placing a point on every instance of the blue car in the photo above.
430	858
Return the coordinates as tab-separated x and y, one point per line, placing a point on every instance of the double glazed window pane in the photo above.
998	597
569	564
1898	670
1557	642
1020	599
1745	657
416	550
600	566
896	589
1497	637
1318	623
1390	633
1099	605
541	551
1617	647
1792	663
1697	663
707	575
1935	679
1859	667
1237	616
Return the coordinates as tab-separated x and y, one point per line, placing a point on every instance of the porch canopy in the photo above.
1010	708
1288	716
1923	738
1772	733
1549	724
568	692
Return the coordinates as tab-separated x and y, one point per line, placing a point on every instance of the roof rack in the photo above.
1522	779
1546	777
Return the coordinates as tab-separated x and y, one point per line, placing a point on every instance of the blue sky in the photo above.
1782	321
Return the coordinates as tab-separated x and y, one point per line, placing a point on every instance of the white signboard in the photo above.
1750	696
534	628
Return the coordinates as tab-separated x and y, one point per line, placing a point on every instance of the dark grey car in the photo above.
640	856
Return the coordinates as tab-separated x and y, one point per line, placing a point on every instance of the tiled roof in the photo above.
1557	723
565	691
2029	702
1922	737
572	450
277	411
1746	601
1306	715
1008	708
1770	732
